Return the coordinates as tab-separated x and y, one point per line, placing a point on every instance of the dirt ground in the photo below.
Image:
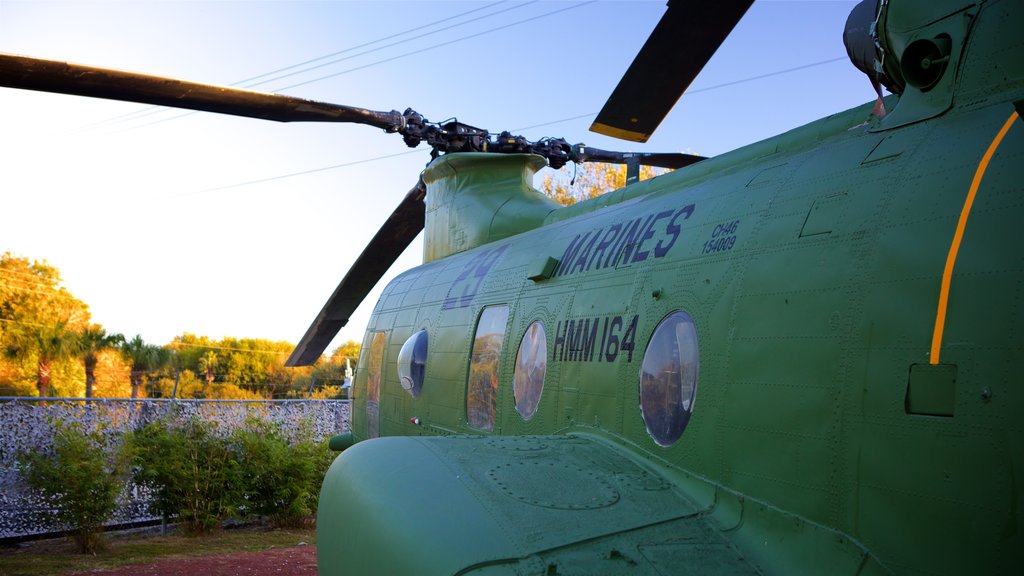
294	561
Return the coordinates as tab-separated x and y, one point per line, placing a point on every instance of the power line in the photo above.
768	75
160	121
448	43
224	377
365	44
379	48
23	323
699	90
148	111
53	291
384	61
29	278
587	115
33	291
541	125
292	174
175	346
178	345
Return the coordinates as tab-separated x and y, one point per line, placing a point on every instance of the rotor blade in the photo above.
662	160
404	224
682	43
672	161
65	78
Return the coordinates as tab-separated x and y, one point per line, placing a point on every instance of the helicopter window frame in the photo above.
530	370
667	400
412	363
485	367
374	376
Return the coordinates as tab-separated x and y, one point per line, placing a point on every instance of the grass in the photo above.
50	557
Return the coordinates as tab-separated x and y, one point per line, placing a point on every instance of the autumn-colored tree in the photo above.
143	358
347	351
191	385
93	340
46	339
49	343
208	365
253	364
589	180
113	375
39	321
330	372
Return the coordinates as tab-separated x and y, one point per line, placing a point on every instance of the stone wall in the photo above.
27	424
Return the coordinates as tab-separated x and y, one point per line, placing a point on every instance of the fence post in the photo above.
174	393
312	382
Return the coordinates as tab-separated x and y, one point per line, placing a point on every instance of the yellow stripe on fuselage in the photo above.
947	273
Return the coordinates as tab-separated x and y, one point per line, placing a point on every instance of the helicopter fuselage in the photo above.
839	311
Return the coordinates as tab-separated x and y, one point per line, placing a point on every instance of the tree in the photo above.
39	320
331	372
143	358
113	374
347	351
251	364
50	343
81	478
590	181
207	365
93	340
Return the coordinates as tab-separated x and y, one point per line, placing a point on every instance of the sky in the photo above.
166	222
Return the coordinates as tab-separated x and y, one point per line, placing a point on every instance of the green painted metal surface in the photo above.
476	198
526	504
931	389
848	417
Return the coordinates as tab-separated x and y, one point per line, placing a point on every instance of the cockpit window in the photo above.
412	363
531	365
482	392
373	373
668	378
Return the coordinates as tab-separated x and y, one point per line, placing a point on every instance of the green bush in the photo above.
322	456
191	471
275	483
202	479
82	477
280	481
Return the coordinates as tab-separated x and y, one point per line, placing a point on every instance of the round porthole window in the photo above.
668	378
412	363
531	364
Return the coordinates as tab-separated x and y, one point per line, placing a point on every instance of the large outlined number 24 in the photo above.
464	288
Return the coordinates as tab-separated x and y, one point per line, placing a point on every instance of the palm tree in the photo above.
49	342
94	339
143	358
207	364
